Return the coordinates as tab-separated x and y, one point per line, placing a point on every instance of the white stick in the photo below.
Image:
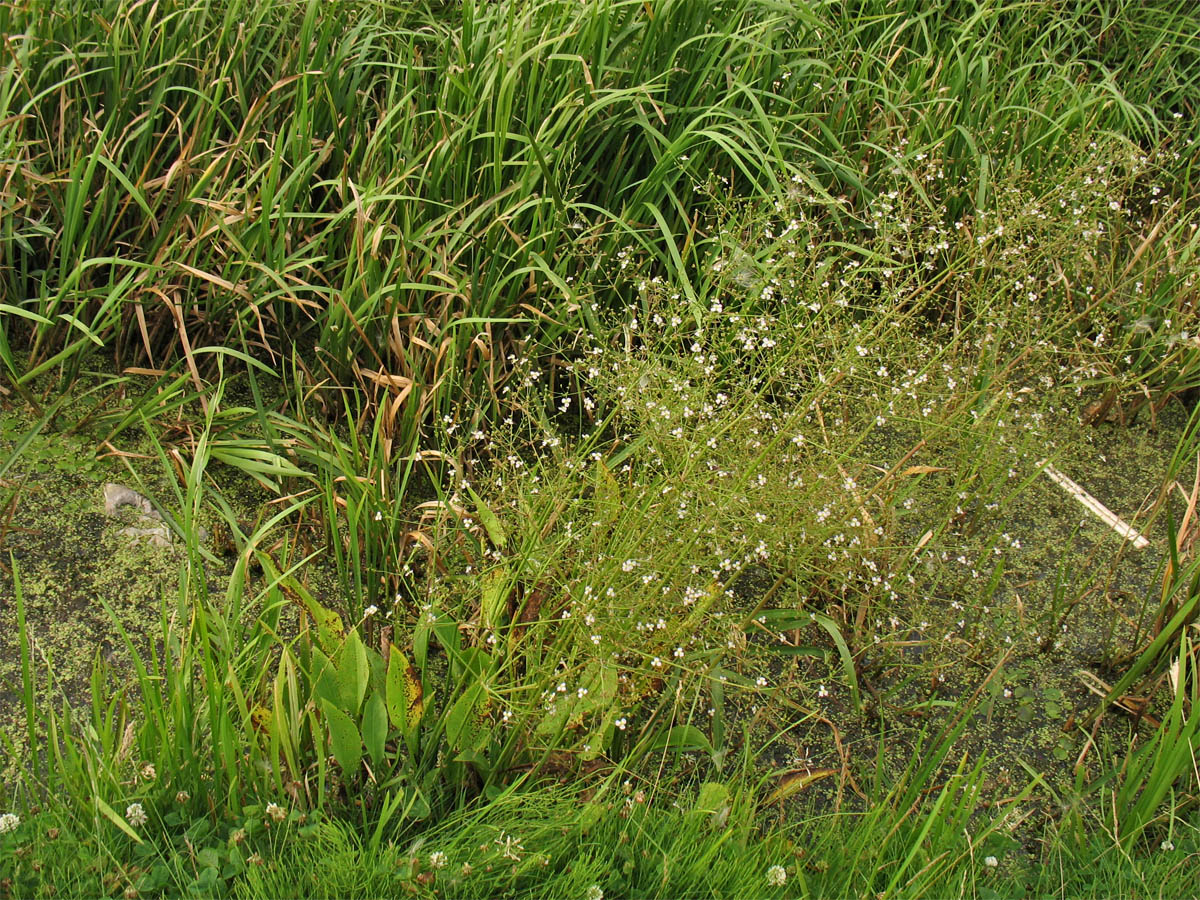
1102	512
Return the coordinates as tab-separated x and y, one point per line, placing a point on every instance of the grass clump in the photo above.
604	446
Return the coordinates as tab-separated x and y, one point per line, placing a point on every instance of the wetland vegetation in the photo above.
599	449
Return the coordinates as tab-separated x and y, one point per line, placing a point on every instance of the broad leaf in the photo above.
375	728
464	728
325	678
405	698
347	744
353	673
683	739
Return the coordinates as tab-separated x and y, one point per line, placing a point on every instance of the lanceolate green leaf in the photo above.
682	739
463	727
344	738
353	673
849	671
491	522
492	602
405	696
375	728
109	813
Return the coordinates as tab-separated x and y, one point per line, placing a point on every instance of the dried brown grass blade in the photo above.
796	780
176	310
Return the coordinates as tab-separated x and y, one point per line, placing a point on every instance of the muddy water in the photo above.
83	570
1025	583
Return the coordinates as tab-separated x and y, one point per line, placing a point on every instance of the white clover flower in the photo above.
593	893
370	611
437	860
8	822
776	876
991	862
136	815
276	812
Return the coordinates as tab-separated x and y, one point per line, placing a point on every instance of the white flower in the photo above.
593	893
1166	845
776	876
510	847
276	812
8	822
378	517
437	860
370	611
991	862
135	814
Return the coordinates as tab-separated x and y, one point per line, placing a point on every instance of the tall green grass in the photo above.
402	188
474	289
